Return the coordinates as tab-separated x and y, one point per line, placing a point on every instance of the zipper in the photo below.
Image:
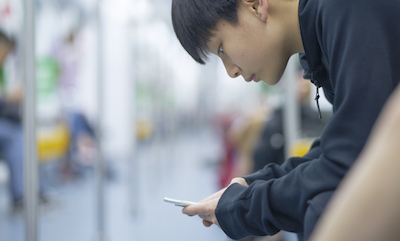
315	82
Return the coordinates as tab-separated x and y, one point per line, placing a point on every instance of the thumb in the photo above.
207	223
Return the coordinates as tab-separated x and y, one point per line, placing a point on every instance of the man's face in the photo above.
252	48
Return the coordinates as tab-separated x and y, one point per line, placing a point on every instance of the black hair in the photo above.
194	21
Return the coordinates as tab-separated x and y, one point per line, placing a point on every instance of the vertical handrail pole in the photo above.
133	164
291	115
100	118
29	124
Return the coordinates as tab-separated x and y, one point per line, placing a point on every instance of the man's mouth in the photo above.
253	77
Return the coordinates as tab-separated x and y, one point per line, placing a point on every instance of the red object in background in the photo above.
227	162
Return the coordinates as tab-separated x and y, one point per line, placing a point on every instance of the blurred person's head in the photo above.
7	45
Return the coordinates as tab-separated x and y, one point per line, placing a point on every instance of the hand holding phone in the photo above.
180	203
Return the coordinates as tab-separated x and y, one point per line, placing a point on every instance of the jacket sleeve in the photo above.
363	69
267	206
274	170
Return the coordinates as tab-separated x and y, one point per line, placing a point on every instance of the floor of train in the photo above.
184	167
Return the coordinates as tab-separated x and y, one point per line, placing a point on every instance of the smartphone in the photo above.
180	203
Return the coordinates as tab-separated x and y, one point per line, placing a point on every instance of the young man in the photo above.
351	51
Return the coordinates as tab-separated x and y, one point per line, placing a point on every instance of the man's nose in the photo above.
232	69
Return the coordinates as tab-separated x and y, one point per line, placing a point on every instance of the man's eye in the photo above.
220	50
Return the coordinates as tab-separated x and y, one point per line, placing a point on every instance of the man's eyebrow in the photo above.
211	49
209	44
208	47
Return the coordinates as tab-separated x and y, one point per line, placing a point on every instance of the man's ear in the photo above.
260	8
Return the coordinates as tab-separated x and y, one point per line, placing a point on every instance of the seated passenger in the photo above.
11	131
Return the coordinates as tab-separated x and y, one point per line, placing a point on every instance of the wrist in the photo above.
239	180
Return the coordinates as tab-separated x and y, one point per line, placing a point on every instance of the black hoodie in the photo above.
352	50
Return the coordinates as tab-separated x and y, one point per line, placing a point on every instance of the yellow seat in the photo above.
300	147
144	129
52	143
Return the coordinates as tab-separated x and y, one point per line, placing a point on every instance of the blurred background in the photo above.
114	84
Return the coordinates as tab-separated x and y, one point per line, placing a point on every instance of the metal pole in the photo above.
291	109
133	177
29	125
100	105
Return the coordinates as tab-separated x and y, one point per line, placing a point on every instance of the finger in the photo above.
194	209
207	223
